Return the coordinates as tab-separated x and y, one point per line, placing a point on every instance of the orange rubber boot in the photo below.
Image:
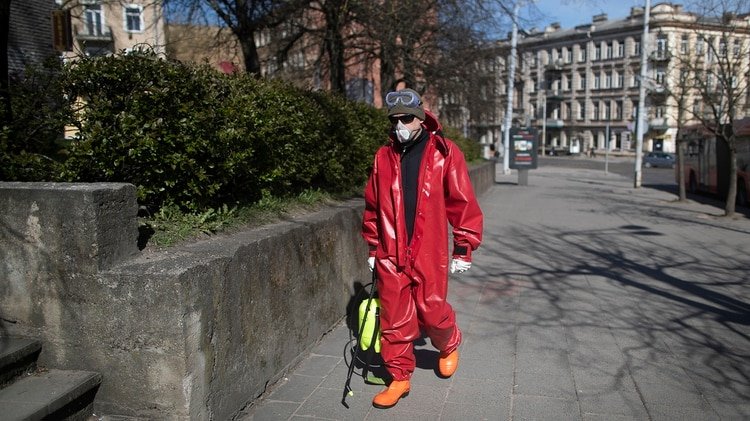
448	363
390	396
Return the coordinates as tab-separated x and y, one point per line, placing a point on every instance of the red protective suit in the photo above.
413	278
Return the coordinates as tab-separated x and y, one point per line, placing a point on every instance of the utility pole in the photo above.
511	78
544	121
641	98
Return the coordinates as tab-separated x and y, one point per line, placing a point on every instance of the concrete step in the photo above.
17	357
50	394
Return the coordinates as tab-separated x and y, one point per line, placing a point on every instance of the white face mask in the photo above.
402	132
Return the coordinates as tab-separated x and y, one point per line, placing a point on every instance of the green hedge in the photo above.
189	136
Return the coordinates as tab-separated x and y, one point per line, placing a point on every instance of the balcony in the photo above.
555	95
554	67
95	34
658	93
658	124
554	123
660	56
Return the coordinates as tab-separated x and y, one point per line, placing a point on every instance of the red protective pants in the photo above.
411	301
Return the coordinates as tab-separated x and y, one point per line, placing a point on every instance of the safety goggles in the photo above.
406	98
406	119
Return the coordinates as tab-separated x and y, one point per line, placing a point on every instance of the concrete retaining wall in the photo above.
194	332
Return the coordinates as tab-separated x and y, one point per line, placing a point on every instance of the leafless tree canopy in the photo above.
710	82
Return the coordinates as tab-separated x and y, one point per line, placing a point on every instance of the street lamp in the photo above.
544	121
641	98
511	76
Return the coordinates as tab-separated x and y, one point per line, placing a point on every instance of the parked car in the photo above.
659	159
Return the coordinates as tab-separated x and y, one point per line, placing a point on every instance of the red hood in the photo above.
431	123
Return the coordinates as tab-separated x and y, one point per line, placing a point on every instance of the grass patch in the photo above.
170	226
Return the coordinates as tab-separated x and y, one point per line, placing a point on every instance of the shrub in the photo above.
32	147
471	149
189	138
149	122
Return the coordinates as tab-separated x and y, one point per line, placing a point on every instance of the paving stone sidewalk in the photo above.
588	300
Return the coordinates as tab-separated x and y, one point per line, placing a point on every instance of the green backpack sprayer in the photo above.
367	341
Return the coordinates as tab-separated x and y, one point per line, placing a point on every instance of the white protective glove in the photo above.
459	266
371	263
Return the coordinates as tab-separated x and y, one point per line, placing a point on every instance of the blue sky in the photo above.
570	13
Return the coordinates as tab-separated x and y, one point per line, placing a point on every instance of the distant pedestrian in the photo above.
419	183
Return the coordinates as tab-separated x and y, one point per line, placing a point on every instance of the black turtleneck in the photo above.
411	158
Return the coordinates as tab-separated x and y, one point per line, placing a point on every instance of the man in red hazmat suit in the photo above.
419	183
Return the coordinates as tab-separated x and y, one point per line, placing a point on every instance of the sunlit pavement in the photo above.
588	300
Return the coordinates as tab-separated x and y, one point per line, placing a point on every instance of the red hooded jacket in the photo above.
445	194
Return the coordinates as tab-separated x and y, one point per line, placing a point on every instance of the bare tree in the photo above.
717	76
244	18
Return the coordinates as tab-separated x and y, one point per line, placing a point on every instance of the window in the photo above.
607	80
697	107
569	55
710	50
581	110
582	54
660	75
597	81
699	45
568	112
618	110
297	60
133	18
597	52
93	19
607	111
582	82
637	48
609	51
723	47
736	48
620	80
659	112
620	49
262	38
569	83
596	111
661	46
684	44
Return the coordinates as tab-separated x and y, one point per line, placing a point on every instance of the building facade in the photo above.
103	27
580	86
29	34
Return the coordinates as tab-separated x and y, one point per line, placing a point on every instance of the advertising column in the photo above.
523	153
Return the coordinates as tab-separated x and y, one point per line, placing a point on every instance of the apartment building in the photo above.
102	27
29	34
580	86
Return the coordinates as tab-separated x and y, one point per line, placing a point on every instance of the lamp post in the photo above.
544	121
509	107
641	99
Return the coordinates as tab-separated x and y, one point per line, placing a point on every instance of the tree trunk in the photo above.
682	194
249	52
730	205
334	46
387	71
